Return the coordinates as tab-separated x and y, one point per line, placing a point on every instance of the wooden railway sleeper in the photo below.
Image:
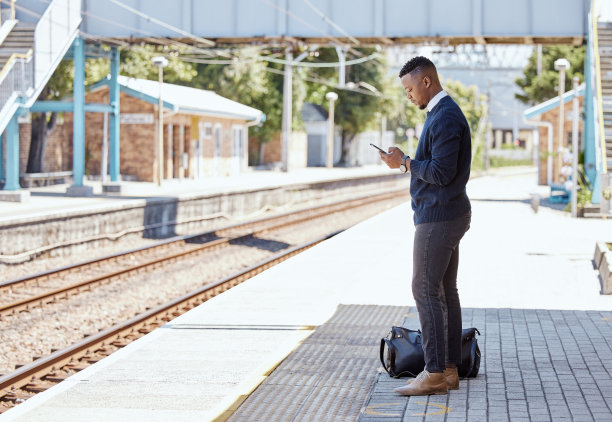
37	385
56	376
15	395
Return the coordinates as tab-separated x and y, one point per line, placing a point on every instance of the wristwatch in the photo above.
403	167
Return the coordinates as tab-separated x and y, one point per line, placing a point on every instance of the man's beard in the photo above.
422	106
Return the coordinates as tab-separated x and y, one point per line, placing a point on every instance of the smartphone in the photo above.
380	149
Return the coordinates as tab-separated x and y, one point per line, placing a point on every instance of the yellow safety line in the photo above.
371	409
602	132
11	59
443	409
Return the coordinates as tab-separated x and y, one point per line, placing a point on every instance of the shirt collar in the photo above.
436	99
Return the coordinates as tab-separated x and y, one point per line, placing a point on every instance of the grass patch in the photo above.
508	162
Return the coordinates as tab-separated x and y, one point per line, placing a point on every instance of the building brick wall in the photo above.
58	154
272	150
552	116
137	149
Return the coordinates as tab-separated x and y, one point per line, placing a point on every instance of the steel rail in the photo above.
36	371
49	296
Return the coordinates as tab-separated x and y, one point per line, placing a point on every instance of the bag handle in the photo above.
382	352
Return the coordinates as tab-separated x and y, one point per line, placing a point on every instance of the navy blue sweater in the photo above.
441	165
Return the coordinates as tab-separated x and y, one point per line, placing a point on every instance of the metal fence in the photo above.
16	79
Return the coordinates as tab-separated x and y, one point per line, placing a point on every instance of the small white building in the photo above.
315	120
360	153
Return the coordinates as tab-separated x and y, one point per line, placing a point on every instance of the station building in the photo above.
205	134
547	114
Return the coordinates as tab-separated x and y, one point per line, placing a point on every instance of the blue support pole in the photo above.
12	155
114	116
58	106
2	156
589	116
78	137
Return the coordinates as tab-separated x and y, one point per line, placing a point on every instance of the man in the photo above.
439	171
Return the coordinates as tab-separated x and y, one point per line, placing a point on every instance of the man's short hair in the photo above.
417	64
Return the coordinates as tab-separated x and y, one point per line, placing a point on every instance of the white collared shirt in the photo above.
436	99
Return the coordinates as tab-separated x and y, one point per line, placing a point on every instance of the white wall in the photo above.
362	153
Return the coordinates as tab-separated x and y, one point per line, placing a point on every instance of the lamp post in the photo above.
561	65
331	96
160	62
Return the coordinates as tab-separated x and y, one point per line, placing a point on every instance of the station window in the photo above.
206	130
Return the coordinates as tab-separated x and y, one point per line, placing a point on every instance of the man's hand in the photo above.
393	158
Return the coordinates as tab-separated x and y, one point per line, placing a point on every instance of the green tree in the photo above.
355	112
538	88
474	107
252	81
59	85
400	114
403	115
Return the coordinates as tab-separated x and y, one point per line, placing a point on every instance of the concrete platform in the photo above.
526	280
52	200
57	223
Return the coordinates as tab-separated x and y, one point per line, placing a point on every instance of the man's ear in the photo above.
427	81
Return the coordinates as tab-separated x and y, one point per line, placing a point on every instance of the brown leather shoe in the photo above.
424	384
452	378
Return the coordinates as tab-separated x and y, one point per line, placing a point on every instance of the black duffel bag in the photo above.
404	355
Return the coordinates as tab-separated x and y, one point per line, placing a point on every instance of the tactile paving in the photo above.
329	377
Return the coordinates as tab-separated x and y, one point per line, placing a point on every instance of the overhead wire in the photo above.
212	61
299	19
267	58
292	15
326	83
329	21
152	35
275	60
328	64
162	23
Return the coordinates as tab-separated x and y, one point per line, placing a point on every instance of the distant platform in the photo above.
52	221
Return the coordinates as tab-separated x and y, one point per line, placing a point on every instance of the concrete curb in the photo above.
603	262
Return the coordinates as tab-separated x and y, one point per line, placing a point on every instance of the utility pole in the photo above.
488	136
287	109
288	102
332	97
160	62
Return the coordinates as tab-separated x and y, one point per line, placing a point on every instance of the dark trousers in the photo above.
434	286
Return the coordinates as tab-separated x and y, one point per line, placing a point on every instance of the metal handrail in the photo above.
11	61
12	11
15	82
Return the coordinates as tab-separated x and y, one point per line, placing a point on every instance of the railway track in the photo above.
45	372
124	264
